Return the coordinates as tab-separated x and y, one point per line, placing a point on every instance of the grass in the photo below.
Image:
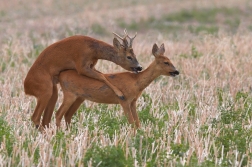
6	137
200	118
107	156
98	29
195	20
194	53
207	16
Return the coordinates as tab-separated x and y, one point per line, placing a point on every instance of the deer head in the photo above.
163	63
126	57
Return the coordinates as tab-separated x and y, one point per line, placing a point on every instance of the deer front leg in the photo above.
127	112
89	71
134	113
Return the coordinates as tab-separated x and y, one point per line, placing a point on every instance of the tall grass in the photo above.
203	117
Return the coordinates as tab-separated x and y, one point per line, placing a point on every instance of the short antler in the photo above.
124	38
125	42
130	38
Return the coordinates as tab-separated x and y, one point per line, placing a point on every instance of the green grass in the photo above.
207	16
195	21
107	156
7	139
233	134
195	54
106	121
231	126
203	29
99	29
200	118
2	13
250	27
27	144
235	115
151	23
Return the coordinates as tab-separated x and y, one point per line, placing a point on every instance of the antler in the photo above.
130	38
124	38
125	42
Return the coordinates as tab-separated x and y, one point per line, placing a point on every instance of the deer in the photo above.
76	89
79	53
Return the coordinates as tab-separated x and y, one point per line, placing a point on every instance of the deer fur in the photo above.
76	89
79	53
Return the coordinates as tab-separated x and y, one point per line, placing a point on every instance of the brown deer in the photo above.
79	53
76	89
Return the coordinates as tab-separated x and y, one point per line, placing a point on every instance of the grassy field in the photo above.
203	117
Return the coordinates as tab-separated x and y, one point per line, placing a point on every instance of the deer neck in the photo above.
106	52
147	76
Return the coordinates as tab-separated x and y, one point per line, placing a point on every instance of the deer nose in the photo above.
139	68
176	72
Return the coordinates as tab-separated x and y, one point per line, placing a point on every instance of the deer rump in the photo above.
75	85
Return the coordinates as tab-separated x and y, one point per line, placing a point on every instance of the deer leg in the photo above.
126	108
134	113
39	85
93	73
69	99
115	89
50	107
71	111
42	102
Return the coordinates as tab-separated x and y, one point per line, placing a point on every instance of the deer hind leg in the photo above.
71	111
91	72
69	99
134	114
115	89
42	102
40	85
50	107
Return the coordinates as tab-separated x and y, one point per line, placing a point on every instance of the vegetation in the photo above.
200	118
195	20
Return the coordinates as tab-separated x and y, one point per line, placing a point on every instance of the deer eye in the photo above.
167	63
128	57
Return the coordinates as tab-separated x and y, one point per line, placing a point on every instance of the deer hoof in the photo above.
122	97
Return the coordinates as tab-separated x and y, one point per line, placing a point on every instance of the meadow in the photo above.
203	117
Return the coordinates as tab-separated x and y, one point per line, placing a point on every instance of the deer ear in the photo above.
116	43
155	49
125	43
162	49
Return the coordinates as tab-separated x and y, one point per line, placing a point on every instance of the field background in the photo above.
203	117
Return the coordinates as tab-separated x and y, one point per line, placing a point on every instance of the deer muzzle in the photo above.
136	69
174	73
